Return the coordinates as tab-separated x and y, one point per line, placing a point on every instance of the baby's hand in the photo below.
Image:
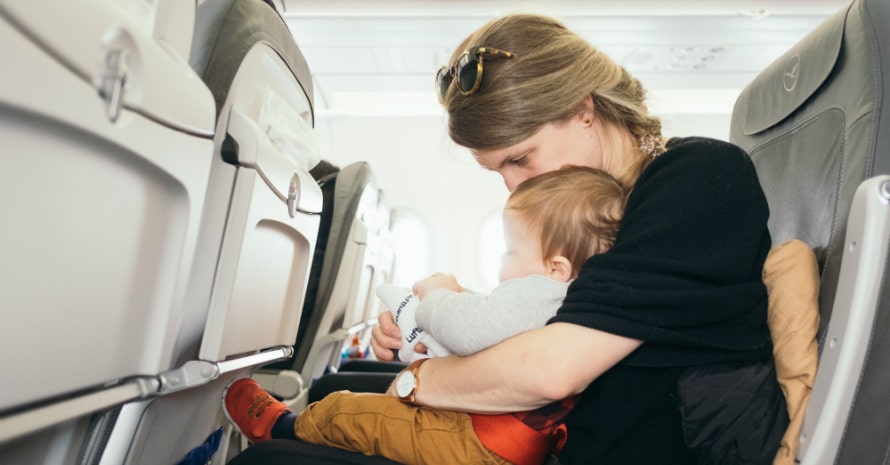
436	281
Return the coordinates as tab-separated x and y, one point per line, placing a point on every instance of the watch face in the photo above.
405	384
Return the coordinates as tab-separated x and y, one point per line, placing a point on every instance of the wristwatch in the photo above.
407	382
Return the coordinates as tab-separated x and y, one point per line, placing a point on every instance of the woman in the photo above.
664	337
676	305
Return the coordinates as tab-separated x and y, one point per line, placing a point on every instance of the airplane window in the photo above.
411	247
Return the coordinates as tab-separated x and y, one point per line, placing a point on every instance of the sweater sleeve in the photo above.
466	322
684	273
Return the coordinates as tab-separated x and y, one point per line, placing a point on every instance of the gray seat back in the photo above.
815	125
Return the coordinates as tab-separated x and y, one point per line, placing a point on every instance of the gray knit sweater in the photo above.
467	322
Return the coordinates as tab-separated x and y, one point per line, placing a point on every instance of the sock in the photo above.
284	426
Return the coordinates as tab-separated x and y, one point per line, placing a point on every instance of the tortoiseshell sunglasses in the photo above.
467	71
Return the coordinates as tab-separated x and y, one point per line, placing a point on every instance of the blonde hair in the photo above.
554	70
576	210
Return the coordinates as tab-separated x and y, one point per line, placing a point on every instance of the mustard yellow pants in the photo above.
381	425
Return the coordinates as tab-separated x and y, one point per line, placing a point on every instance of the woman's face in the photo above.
555	145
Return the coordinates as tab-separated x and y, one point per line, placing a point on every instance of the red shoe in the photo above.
251	409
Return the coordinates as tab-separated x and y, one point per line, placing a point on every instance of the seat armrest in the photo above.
352	381
372	366
283	384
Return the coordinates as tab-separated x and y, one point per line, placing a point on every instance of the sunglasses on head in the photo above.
467	71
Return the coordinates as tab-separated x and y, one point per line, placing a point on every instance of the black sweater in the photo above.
684	276
685	272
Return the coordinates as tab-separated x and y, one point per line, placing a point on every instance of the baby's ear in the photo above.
560	268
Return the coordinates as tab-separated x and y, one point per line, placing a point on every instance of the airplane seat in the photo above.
258	233
350	261
278	377
266	145
107	135
815	125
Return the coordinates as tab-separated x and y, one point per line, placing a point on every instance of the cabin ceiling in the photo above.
378	58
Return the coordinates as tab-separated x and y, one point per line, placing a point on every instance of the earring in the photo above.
652	145
588	122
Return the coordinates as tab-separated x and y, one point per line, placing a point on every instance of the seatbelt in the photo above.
507	436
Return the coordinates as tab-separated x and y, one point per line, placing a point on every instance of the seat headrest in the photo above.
226	30
790	80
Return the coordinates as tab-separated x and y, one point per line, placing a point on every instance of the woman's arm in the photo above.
524	372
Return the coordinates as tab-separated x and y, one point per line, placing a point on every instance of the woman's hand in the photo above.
385	337
436	281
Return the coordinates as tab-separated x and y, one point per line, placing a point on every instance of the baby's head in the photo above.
555	221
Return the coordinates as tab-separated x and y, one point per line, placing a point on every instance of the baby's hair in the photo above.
576	210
